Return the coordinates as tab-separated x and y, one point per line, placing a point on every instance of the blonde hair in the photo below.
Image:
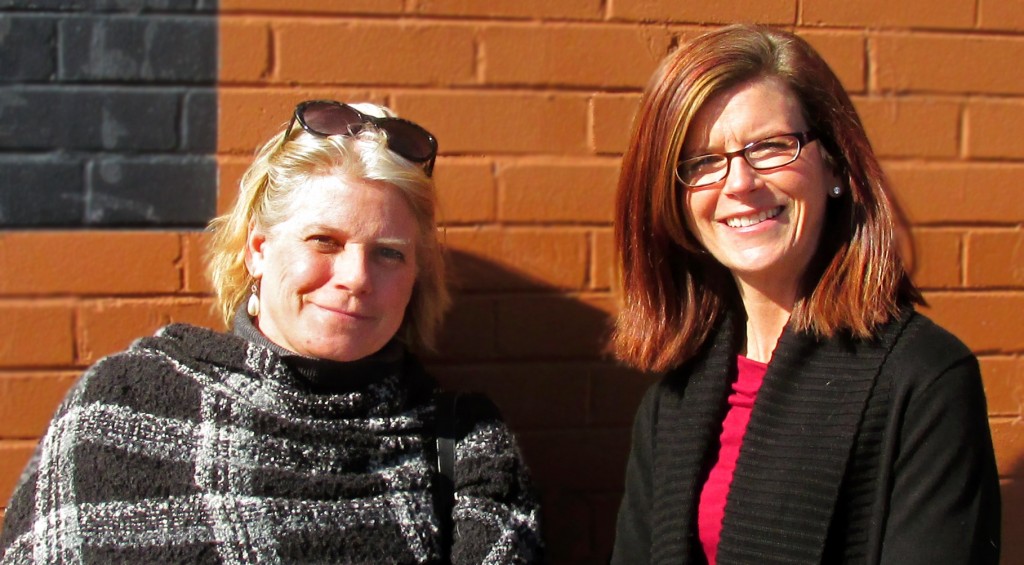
284	164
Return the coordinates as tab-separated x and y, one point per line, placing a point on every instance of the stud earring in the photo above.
836	191
253	306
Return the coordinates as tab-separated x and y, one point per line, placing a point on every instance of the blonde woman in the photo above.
308	433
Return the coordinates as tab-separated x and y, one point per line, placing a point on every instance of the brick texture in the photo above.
100	48
514	9
1004	383
938	258
611	121
87	83
780	12
882	13
27	401
36	334
119	262
373	7
996	259
987	321
990	126
909	127
558	193
466	191
402	53
13	457
580	55
259	113
501	123
106	327
548	258
532	102
948	63
846	54
1013	520
1001	14
959	193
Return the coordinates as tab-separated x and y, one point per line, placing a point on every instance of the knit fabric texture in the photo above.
200	447
857	451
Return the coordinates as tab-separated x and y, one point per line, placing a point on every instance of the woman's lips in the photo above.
753	219
355	314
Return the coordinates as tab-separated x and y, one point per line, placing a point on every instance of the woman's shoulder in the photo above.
925	351
155	365
927	341
181	343
185	341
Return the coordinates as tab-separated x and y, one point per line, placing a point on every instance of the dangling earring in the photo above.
253	307
836	191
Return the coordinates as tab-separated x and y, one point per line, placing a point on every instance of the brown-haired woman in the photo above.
757	246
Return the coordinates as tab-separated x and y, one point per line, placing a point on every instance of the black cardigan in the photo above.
857	451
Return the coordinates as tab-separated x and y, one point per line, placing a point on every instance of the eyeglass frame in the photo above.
803	138
298	116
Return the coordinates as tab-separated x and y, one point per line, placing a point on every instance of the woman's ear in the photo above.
255	239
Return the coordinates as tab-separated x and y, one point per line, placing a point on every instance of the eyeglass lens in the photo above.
333	118
761	155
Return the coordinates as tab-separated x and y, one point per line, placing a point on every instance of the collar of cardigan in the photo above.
809	409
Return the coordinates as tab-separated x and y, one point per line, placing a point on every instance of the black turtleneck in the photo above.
326	376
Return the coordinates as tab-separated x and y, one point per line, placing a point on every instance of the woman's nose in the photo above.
352	269
740	177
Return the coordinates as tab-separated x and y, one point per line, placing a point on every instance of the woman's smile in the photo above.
344	312
753	218
762	225
337	275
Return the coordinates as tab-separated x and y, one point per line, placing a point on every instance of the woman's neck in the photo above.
767	316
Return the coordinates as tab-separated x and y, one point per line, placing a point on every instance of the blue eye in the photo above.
323	242
391	254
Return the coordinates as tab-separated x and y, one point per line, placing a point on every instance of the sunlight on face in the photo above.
764	226
337	275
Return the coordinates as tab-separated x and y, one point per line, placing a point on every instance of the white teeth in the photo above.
754	219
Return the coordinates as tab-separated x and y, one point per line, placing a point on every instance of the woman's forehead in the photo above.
746	112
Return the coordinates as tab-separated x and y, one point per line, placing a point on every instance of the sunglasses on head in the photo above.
327	117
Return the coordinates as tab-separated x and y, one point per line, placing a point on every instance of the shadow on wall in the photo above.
1013	515
539	354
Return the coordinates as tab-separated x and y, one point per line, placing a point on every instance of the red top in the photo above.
711	508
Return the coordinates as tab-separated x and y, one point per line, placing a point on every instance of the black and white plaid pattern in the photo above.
200	447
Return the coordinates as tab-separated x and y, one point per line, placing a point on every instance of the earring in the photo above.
253	306
836	191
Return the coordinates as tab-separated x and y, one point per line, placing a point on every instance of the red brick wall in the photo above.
531	101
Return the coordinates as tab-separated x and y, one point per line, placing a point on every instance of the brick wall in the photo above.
531	101
108	113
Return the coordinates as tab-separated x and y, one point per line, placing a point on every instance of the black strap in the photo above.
444	485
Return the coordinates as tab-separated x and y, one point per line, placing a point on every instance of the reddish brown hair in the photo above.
673	292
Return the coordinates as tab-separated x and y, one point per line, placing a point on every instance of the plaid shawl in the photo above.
201	447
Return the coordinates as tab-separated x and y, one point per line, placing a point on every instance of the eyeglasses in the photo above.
768	153
328	117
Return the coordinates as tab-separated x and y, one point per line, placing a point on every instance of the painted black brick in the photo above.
112	5
27	48
125	48
150	191
41	191
108	113
81	118
199	121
